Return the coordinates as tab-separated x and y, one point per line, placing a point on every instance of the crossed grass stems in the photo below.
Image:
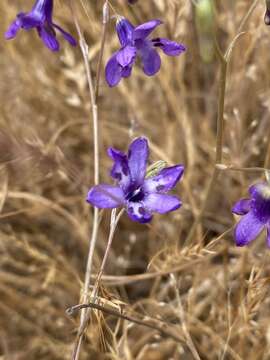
218	167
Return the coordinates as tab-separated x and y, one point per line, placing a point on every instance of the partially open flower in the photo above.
40	18
140	194
256	214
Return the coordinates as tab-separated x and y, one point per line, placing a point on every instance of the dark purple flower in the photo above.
139	194
256	215
135	42
40	18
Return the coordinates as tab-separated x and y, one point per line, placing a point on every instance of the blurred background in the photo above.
219	294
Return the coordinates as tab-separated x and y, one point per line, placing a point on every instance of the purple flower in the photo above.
139	194
40	17
256	215
134	41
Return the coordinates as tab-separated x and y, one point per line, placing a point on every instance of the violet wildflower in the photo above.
256	214
40	18
139	194
135	42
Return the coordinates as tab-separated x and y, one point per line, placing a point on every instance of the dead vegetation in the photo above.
211	295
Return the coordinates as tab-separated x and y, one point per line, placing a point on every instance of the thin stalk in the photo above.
105	21
94	111
224	59
114	221
219	142
109	311
224	167
248	14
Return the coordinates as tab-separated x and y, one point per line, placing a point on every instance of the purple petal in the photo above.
169	47
120	170
138	154
42	10
248	228
124	31
137	212
113	71
164	181
143	30
30	22
126	55
255	189
242	207
260	205
13	28
66	35
151	60
161	203
126	71
106	196
48	38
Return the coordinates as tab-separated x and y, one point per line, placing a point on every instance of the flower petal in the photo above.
42	10
126	71
120	169
242	207
165	180
113	71
260	194
150	59
106	196
124	31
138	154
169	47
248	228
48	38
66	35
13	28
137	212
30	22
126	55
143	30
161	203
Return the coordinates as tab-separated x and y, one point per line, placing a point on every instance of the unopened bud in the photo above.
132	2
267	13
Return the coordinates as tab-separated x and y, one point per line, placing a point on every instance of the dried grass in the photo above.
218	299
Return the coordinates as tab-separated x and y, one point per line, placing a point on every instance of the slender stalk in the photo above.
223	59
219	142
94	111
224	167
105	21
114	221
246	17
127	317
84	320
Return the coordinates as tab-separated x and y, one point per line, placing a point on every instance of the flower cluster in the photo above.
135	42
40	18
139	194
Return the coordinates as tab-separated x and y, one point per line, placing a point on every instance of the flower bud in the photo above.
267	13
